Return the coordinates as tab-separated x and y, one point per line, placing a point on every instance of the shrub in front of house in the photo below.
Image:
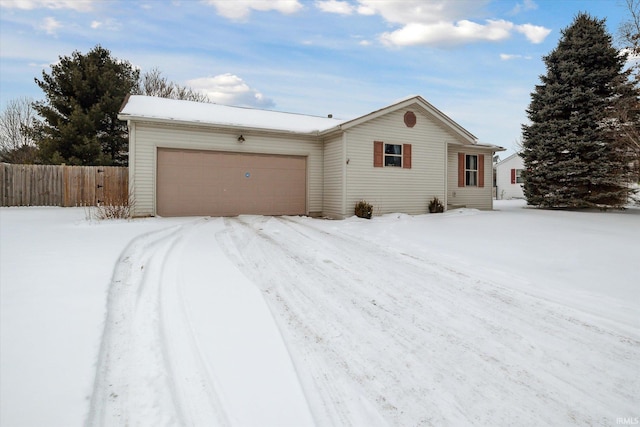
364	209
436	206
119	207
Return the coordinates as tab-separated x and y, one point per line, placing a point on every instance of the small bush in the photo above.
119	208
436	206
364	209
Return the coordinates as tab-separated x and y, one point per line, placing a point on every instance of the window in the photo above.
393	155
471	170
516	176
519	179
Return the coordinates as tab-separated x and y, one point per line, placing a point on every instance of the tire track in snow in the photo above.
150	371
296	302
422	343
324	392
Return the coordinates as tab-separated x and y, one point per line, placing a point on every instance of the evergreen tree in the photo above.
571	159
84	94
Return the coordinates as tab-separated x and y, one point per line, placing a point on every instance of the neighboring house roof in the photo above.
152	108
507	159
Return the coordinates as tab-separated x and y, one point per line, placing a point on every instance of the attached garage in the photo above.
200	182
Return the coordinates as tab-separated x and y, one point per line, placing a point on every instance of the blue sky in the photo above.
475	60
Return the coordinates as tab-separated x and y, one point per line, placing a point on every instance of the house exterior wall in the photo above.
146	137
505	189
334	176
471	196
396	189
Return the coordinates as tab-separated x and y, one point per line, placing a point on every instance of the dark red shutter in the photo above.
480	170
513	176
406	156
377	154
460	169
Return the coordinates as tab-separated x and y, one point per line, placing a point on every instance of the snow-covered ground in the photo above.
512	317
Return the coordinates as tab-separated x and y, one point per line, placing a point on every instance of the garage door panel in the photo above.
191	182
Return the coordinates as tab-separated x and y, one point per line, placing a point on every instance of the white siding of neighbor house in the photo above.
393	189
334	170
505	189
470	197
146	137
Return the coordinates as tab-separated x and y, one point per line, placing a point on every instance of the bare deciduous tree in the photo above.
16	124
627	110
629	31
153	83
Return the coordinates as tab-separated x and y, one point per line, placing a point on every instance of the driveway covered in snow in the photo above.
290	321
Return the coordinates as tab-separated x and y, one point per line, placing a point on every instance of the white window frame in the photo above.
470	175
519	179
392	155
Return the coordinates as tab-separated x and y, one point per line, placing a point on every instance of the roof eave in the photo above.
494	148
239	128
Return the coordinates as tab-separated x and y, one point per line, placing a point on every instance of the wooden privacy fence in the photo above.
60	185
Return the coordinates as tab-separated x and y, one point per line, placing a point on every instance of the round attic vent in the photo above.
409	119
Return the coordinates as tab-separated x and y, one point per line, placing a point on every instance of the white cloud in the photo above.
523	7
366	10
447	33
109	24
534	33
444	22
509	57
230	89
240	10
335	6
421	11
80	5
50	25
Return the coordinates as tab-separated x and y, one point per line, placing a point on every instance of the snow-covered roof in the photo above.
494	147
155	108
506	159
151	108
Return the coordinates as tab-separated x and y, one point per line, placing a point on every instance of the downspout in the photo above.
343	208
132	161
446	176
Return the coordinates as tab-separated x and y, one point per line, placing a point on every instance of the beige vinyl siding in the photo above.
470	197
149	136
334	164
394	189
141	176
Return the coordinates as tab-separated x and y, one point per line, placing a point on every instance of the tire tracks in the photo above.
150	371
420	341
